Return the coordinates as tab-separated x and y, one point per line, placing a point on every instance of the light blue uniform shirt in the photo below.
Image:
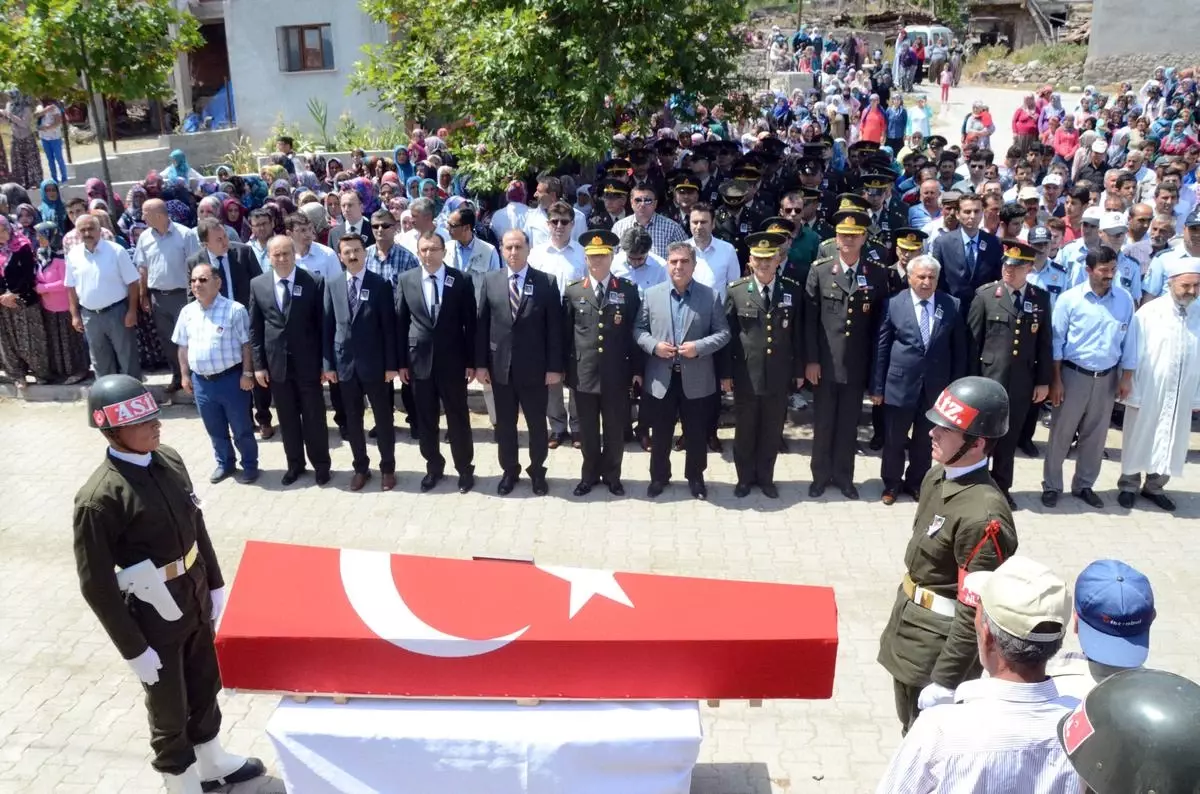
1129	272
1053	278
1090	330
1155	281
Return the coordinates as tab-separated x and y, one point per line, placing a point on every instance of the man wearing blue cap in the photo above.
1114	607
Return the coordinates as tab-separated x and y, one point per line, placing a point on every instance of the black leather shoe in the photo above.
1163	501
466	482
615	488
249	477
291	475
888	497
1089	496
817	489
323	477
540	486
582	489
220	474
1126	499
741	490
769	490
876	443
1049	498
699	490
507	483
849	491
915	493
1029	448
655	489
680	443
430	481
715	445
1012	503
251	769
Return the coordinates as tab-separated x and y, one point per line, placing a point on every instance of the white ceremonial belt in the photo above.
928	599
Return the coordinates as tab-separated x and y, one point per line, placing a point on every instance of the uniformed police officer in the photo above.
844	298
614	205
767	359
603	361
1011	343
962	524
147	569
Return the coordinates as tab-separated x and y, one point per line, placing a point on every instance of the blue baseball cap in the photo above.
1115	606
1039	235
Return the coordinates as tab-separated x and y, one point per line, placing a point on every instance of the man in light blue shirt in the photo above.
1155	282
161	256
1090	322
1046	273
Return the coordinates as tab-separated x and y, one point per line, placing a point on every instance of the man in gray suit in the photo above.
682	329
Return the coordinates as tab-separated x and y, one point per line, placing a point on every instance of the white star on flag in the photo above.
587	582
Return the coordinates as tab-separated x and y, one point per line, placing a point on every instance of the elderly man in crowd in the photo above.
161	257
102	288
1000	733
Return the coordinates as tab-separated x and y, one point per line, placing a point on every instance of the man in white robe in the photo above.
1163	349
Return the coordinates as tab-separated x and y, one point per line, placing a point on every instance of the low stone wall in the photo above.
1135	67
1034	73
202	148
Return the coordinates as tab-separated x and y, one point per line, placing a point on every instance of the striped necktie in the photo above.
514	295
352	295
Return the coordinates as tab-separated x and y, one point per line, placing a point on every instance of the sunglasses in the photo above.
382	225
560	222
200	280
644	200
791	210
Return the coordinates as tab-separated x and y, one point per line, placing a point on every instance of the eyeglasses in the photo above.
644	200
200	280
382	225
457	225
791	210
560	222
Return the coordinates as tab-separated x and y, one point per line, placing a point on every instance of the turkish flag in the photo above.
314	620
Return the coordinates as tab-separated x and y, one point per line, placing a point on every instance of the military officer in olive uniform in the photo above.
767	357
885	217
685	193
603	361
147	569
811	175
1011	342
734	219
962	525
612	207
874	249
844	304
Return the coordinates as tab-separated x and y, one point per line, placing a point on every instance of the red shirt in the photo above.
1024	122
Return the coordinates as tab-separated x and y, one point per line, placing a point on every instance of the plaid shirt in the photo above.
398	260
663	231
213	336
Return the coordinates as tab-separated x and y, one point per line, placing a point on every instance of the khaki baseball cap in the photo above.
1024	598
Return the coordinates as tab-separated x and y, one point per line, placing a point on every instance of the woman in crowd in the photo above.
64	345
27	219
96	189
179	169
26	161
873	126
22	333
53	209
132	218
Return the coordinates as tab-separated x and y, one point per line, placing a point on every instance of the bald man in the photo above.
161	257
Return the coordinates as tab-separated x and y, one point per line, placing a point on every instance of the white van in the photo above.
928	34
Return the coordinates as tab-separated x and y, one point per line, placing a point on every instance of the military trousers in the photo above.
183	703
906	704
602	419
836	411
1020	406
758	426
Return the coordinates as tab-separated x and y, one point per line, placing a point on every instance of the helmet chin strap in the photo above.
967	443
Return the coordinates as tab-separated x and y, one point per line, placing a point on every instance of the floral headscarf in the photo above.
135	198
54	250
256	192
16	241
153	184
179	212
27	210
274	173
281	187
366	193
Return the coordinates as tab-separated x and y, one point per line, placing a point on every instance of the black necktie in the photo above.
766	293
599	294
434	303
850	279
1017	300
286	301
224	280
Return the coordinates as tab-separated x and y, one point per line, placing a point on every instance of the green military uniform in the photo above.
953	529
602	358
767	358
127	513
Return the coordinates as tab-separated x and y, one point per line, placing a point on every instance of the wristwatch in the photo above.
247	374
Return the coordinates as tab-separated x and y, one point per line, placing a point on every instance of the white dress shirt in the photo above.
653	271
355	229
537	226
321	261
291	279
432	288
932	302
100	278
716	265
409	239
566	264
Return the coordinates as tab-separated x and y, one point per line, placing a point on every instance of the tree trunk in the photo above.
94	113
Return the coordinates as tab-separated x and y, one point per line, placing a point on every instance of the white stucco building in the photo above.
281	53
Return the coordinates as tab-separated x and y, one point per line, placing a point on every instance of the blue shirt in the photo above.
1089	330
1129	272
918	216
1053	278
897	122
1155	281
678	302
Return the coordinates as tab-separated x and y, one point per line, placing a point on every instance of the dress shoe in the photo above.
644	441
343	432
817	489
849	491
372	433
615	488
430	481
1049	498
576	443
291	475
741	490
553	442
356	482
220	474
387	481
1126	499
783	446
1012	503
249	477
466	482
323	477
715	445
769	490
655	488
699	490
266	431
540	486
1163	501
876	443
889	497
1089	496
915	493
583	488
1029	448
680	443
507	483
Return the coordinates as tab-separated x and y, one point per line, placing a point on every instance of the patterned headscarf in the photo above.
179	212
153	184
54	250
366	194
16	241
256	192
281	187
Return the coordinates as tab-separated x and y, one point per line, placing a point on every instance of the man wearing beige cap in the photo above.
1000	734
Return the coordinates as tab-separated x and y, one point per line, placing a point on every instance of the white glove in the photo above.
147	666
218	604
934	695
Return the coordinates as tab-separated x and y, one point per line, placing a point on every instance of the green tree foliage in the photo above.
540	80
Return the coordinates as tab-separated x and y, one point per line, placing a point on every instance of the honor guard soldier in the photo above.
147	569
844	298
734	220
962	525
767	360
1009	326
603	360
856	162
873	249
614	205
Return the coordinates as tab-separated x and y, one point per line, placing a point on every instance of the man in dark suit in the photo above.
435	313
922	347
603	360
361	357
235	263
1012	342
844	299
519	350
352	222
969	257
287	316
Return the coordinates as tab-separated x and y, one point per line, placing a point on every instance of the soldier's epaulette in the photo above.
1054	264
986	288
625	281
1036	289
740	281
788	280
822	260
576	281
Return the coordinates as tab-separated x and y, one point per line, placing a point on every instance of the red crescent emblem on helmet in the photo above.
98	417
1077	730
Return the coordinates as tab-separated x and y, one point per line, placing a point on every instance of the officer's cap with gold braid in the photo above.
598	241
910	239
851	222
778	225
1017	253
614	187
685	181
877	181
763	245
852	201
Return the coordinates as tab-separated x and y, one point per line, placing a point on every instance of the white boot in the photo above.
218	768
187	783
